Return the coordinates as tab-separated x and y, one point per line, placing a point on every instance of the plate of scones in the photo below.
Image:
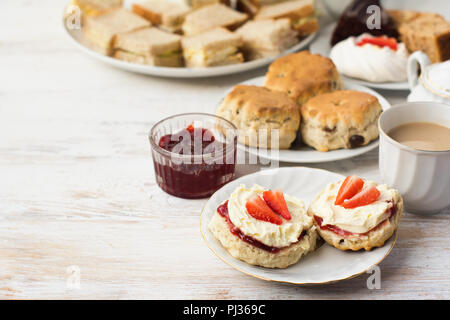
301	225
301	111
188	39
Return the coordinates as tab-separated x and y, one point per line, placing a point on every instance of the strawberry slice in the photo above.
190	128
363	198
275	200
258	209
380	42
351	186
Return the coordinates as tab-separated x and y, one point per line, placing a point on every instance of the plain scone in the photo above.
303	75
340	119
256	256
252	108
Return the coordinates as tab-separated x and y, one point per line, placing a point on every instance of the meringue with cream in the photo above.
370	62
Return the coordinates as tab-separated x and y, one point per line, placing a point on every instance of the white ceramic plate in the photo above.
76	36
299	153
322	46
325	265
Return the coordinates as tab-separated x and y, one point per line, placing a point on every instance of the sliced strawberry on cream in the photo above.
363	198
275	200
258	209
351	186
380	42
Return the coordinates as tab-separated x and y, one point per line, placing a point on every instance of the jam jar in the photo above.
194	154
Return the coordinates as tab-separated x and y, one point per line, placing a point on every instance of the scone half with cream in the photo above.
264	227
265	118
356	214
340	119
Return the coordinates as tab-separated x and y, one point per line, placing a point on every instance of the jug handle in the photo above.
415	59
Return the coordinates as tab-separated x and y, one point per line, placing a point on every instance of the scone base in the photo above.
255	256
373	239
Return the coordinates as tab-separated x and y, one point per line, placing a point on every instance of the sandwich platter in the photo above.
299	153
75	34
323	266
322	46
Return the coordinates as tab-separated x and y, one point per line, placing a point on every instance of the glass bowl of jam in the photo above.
194	154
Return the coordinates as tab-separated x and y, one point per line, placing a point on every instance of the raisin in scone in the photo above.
356	214
341	119
264	227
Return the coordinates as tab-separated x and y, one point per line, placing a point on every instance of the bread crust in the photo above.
265	38
253	108
288	9
101	30
147	41
303	75
167	14
255	256
210	17
373	239
340	119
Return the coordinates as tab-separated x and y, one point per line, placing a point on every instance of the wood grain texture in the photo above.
77	185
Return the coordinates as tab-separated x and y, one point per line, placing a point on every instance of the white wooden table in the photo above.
77	188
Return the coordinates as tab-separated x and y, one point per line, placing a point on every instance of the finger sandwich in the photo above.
149	46
213	48
266	38
210	17
101	30
301	13
164	14
96	7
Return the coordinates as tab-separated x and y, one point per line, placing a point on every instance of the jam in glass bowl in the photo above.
194	154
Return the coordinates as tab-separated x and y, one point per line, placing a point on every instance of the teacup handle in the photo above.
416	58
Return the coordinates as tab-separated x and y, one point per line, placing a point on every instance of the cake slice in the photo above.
149	46
100	31
354	22
213	48
427	32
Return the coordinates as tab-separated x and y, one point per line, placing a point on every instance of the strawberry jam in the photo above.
194	164
223	211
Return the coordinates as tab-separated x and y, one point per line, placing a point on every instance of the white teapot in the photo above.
434	81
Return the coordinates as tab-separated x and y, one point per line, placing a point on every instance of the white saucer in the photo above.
321	45
325	265
304	154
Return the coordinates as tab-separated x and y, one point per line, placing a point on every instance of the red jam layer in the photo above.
190	141
344	233
223	211
194	179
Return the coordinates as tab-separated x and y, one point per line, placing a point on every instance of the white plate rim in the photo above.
393	238
349	153
182	72
317	47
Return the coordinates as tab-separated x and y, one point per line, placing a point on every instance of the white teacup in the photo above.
422	177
